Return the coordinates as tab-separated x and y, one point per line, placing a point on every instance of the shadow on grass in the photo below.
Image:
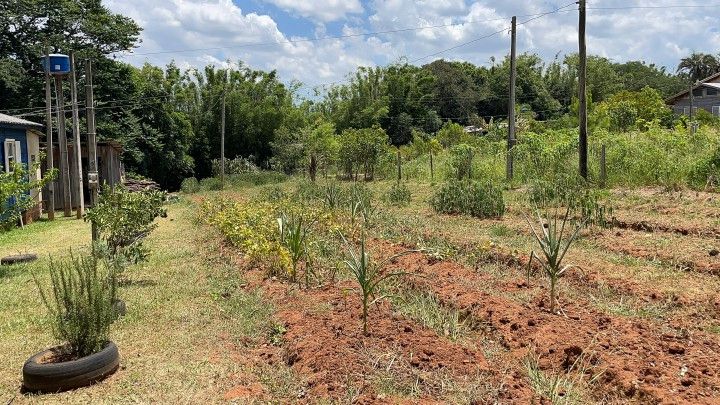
137	283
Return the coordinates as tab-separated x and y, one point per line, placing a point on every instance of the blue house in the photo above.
20	143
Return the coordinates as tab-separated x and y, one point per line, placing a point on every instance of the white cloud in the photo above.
218	30
325	10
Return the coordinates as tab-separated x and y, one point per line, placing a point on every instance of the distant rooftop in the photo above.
9	119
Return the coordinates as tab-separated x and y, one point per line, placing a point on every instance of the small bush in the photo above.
479	199
706	173
190	185
81	302
124	218
399	195
210	184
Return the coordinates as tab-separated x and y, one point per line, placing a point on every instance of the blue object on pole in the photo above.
59	64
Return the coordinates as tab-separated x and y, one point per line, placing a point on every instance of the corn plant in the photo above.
554	243
293	235
368	274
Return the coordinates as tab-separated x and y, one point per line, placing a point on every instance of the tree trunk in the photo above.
312	170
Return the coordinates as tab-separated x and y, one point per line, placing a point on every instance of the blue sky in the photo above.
285	35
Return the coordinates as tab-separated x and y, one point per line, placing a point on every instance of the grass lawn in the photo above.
171	340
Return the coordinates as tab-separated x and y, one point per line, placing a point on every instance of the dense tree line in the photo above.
168	120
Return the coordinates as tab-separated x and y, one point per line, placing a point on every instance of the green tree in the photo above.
699	65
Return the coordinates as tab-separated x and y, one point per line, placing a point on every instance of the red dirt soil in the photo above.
325	345
638	359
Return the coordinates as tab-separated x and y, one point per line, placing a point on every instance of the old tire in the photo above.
15	259
55	377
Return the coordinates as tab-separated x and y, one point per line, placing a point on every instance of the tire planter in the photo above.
55	377
15	259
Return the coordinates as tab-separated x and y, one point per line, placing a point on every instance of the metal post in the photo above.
76	138
62	143
49	136
511	103
582	77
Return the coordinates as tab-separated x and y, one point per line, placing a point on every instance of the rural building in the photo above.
706	96
21	144
110	169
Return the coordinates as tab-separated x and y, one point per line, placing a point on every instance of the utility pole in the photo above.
222	143
62	143
49	136
93	181
582	78
511	102
692	102
76	136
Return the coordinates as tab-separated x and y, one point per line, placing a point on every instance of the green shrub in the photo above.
80	302
124	218
190	185
470	197
399	195
461	162
706	173
16	187
573	192
210	184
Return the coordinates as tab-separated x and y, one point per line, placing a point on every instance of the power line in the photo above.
535	17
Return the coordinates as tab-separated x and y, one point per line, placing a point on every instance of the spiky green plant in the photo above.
368	274
293	235
331	195
554	243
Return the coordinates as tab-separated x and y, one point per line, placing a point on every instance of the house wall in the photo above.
706	103
29	149
18	134
33	152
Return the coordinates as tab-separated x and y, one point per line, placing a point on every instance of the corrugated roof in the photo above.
9	119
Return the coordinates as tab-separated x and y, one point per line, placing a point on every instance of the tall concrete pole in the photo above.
511	102
93	178
76	138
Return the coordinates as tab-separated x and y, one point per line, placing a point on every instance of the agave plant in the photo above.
293	235
368	274
331	195
554	243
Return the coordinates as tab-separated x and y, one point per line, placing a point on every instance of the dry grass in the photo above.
172	339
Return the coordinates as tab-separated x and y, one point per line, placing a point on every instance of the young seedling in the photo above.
554	244
331	196
368	274
293	234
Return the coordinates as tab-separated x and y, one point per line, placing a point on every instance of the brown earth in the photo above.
638	360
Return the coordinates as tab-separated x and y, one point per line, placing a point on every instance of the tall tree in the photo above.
699	65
